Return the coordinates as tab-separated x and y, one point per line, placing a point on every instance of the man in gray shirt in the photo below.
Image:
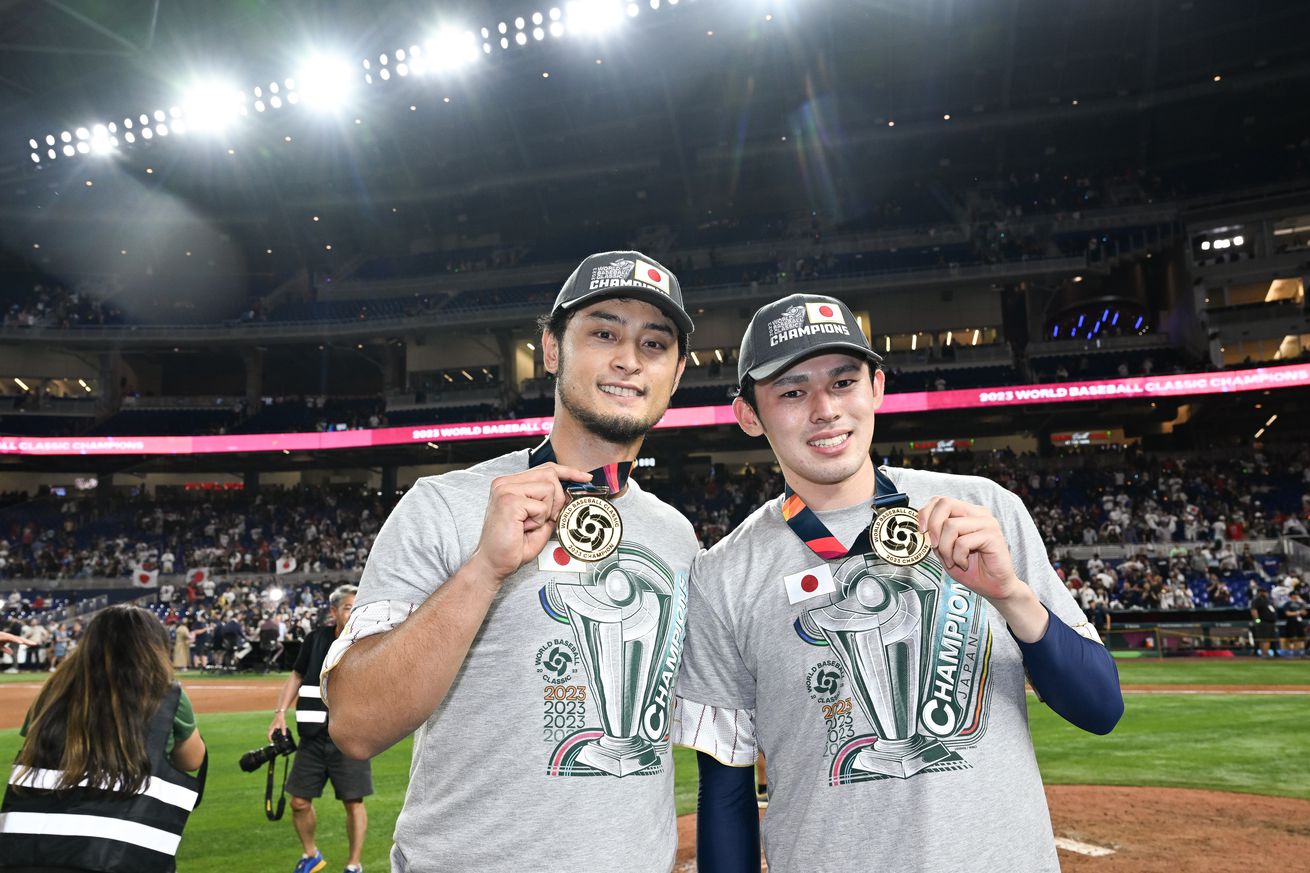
524	618
869	631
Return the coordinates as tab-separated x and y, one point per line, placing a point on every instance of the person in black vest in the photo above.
101	782
318	758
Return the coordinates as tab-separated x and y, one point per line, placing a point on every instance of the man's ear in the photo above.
677	377
747	418
549	352
879	383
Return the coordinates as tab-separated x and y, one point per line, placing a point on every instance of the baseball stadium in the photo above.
318	316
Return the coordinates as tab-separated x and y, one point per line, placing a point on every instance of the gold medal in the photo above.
589	528
895	536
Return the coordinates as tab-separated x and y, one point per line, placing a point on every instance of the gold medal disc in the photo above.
895	536
589	528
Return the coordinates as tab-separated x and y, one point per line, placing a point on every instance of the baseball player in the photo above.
869	630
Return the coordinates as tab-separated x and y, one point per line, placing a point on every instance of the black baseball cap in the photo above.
795	327
625	274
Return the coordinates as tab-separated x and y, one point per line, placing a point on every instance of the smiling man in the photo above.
869	631
524	618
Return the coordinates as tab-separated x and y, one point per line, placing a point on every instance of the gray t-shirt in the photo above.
889	701
551	751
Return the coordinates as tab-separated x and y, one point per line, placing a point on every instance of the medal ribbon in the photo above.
607	480
805	523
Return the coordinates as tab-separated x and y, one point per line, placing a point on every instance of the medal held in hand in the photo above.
589	527
895	536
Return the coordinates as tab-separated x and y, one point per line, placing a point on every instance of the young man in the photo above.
524	617
318	759
869	631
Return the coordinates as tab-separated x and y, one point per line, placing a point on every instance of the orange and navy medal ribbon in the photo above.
805	523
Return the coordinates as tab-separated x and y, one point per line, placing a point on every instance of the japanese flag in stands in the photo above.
286	564
809	583
144	578
198	576
821	313
649	274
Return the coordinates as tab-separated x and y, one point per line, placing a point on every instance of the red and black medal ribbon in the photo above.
609	479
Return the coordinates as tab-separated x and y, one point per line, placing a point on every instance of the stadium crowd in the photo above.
227	565
236	623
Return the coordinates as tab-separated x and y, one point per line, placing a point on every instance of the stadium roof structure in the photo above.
682	112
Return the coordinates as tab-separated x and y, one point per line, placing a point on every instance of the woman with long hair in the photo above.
101	781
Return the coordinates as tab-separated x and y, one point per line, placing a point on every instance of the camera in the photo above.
283	744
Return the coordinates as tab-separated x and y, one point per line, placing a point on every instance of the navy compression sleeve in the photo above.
727	818
1074	676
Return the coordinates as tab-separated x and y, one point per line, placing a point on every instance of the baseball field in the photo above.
1207	771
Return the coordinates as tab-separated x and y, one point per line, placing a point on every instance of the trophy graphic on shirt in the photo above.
876	623
619	614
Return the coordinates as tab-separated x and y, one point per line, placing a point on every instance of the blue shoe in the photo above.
313	864
350	868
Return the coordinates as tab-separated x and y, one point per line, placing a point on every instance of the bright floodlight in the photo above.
594	16
212	105
451	49
101	142
325	82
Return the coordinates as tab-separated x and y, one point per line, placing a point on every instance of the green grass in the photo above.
16	678
1214	671
1249	744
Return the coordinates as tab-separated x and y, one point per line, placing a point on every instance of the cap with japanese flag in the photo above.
794	327
624	274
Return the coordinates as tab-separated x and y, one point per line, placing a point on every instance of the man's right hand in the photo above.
521	517
279	723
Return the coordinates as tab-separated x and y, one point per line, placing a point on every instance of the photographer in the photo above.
318	758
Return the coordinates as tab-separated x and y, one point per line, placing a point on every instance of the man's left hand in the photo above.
970	544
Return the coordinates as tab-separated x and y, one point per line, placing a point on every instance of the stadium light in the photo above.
325	82
450	49
594	17
212	105
104	145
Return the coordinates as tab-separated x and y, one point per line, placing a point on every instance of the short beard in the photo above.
617	429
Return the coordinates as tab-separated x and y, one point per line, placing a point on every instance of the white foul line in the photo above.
1082	848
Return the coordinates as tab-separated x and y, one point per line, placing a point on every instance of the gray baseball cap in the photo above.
795	327
625	274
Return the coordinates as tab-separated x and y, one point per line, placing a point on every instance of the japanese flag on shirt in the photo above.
809	583
649	274
553	559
